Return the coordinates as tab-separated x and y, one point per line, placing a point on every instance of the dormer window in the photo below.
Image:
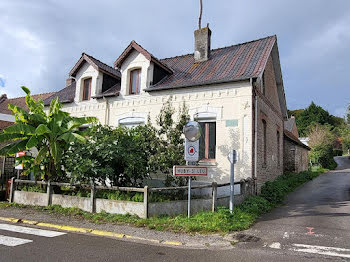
87	89
135	82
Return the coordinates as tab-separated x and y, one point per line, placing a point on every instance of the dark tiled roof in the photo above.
20	101
97	64
233	63
294	139
133	45
65	95
113	91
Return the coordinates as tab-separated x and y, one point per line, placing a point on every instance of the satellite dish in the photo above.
192	131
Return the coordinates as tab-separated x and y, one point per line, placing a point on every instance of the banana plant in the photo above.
50	131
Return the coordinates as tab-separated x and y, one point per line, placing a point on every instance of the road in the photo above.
311	226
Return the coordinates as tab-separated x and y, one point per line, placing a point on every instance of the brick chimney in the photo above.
69	81
202	44
3	98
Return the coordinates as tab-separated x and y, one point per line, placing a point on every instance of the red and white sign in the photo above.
190	171
19	154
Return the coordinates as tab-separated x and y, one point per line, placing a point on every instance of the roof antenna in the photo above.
200	14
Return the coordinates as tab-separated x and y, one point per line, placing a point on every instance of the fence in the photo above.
142	209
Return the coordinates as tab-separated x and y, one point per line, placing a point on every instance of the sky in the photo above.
41	40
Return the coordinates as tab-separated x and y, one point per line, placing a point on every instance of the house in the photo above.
295	151
235	92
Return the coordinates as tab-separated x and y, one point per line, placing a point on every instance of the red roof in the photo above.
20	101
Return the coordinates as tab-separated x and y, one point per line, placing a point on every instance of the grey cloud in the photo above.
41	40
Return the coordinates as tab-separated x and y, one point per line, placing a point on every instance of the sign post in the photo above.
233	159
192	131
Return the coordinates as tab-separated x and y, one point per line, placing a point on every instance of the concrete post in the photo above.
215	196
93	197
49	193
12	189
145	201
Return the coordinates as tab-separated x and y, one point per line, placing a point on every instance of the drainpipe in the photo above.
255	135
106	111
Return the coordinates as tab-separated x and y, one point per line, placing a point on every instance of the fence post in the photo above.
145	200
49	193
12	189
215	196
92	197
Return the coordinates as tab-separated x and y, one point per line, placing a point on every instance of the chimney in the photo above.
3	98
202	44
69	81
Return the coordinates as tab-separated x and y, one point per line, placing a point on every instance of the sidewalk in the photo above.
128	233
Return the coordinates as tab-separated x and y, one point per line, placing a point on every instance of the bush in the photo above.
323	155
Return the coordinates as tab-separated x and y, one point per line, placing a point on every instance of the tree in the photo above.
50	133
171	149
311	115
118	155
348	115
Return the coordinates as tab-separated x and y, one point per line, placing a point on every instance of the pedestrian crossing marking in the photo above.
13	241
30	231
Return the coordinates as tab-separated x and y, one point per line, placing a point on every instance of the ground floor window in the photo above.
207	142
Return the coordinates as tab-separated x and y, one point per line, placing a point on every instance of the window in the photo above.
264	142
131	122
87	89
207	141
278	148
135	82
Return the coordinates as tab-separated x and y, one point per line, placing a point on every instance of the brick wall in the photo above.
270	112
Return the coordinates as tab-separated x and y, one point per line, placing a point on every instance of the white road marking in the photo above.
30	231
275	245
285	235
322	250
13	241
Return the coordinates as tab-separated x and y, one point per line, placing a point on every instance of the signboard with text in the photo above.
190	171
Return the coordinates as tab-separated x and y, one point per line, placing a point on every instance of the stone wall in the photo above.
295	157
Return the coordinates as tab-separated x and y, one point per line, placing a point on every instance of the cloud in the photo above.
41	40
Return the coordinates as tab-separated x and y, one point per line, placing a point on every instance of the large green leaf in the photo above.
20	129
26	90
37	118
56	152
41	155
32	142
70	137
4	137
54	106
42	129
20	113
17	146
76	122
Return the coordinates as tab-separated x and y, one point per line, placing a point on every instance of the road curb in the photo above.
93	232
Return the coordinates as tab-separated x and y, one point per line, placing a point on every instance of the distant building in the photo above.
295	151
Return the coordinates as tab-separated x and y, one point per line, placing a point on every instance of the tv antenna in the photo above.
200	14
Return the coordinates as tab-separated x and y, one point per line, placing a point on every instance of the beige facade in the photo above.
242	95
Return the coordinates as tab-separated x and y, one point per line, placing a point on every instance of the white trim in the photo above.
7	117
206	112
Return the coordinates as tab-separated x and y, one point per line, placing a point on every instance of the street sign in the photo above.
190	171
233	157
19	154
192	151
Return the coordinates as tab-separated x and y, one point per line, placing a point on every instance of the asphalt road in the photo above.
312	226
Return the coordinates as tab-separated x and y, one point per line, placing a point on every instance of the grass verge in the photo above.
222	221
